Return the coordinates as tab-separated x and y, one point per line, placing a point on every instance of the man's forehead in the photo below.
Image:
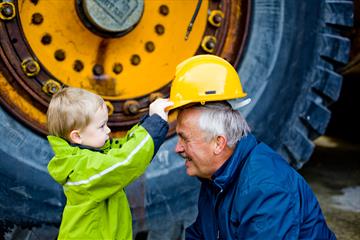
188	113
187	122
187	119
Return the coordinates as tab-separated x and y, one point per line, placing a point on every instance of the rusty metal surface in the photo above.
46	47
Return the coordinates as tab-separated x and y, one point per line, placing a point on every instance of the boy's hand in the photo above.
159	107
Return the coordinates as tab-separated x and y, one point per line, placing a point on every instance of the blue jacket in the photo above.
257	195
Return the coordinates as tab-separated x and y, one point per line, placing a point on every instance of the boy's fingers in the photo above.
166	105
163	102
169	103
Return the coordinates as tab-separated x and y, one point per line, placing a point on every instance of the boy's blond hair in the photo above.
70	109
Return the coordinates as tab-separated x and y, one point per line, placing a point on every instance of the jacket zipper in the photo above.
216	212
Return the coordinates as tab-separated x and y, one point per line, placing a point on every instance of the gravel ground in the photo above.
333	173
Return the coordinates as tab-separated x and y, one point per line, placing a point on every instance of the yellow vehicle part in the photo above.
147	55
46	45
7	11
37	117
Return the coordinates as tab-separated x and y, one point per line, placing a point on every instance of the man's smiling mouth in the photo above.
186	158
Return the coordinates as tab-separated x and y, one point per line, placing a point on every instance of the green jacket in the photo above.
94	182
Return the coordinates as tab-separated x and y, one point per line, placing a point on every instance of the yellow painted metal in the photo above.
212	15
10	6
110	107
51	87
18	101
30	67
155	69
205	41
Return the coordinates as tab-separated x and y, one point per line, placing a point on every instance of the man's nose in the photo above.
179	148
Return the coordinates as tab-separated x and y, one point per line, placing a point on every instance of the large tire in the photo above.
287	69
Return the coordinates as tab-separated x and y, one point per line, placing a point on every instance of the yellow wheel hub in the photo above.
125	51
131	66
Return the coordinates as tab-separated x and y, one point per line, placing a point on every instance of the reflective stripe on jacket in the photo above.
94	181
257	195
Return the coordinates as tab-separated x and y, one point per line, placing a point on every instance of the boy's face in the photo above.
97	132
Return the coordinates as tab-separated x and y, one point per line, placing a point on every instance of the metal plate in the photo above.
134	68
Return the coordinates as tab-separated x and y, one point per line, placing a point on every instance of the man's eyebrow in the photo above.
182	135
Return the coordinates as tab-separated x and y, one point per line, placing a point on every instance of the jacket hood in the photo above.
61	165
232	167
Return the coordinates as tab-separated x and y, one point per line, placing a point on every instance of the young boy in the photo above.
94	170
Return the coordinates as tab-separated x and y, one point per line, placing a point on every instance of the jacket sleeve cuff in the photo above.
157	128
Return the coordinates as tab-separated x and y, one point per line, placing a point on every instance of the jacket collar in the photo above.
60	146
85	147
62	164
232	167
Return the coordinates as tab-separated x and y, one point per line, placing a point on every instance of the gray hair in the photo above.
218	118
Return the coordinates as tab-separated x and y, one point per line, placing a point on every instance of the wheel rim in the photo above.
47	46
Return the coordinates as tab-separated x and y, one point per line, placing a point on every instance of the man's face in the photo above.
97	132
193	146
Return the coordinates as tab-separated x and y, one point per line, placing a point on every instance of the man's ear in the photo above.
220	144
75	136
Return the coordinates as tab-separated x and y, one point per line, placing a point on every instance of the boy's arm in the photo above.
105	174
155	126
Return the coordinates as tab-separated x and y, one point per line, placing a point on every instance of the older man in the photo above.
248	191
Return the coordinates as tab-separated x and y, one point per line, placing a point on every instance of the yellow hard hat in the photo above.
204	78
